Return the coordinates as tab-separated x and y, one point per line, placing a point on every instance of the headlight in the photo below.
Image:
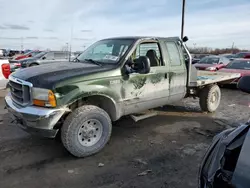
211	68
43	97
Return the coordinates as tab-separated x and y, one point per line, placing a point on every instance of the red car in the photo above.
27	55
241	66
245	55
212	63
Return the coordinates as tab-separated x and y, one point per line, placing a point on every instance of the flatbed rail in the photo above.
208	77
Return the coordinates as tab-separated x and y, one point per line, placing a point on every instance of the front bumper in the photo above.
35	120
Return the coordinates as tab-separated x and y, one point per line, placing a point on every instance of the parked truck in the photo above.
112	78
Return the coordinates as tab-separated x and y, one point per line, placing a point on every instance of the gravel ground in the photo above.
162	151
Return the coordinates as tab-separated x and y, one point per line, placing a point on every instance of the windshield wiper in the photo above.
77	60
93	61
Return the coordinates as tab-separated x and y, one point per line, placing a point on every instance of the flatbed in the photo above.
208	77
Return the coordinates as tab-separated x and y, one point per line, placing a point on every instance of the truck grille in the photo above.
20	91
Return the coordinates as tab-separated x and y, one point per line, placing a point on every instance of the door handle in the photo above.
166	75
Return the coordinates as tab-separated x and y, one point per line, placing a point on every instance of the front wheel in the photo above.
86	131
210	97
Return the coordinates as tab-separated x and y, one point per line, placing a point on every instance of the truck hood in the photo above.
46	76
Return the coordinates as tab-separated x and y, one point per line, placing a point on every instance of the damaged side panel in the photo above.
145	91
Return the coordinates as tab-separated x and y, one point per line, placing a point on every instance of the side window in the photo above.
174	54
152	51
49	56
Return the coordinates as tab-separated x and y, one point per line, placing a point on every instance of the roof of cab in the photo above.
143	37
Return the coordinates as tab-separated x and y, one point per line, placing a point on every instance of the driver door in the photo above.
145	91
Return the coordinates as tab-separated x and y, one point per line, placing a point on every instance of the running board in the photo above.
144	116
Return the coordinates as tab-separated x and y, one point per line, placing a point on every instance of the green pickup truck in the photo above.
112	78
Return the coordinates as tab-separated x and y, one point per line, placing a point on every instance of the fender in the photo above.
109	98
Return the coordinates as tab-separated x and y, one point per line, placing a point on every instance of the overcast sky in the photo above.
48	24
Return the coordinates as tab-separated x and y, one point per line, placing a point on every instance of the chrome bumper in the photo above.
36	120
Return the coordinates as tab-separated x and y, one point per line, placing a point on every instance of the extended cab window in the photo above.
174	54
151	50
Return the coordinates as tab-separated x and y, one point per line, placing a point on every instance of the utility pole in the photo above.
183	18
21	44
233	48
71	37
194	45
67	47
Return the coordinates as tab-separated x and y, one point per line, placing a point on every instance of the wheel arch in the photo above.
33	63
101	100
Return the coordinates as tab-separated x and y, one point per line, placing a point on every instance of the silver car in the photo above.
44	58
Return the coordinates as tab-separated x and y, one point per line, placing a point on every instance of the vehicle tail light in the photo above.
6	70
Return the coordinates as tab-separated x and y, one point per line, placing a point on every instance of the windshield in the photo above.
229	56
27	53
245	65
240	55
35	53
209	60
106	51
39	55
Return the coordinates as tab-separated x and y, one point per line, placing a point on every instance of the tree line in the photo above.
216	51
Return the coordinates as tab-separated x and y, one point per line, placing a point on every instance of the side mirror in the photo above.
142	65
44	57
30	55
221	63
185	39
244	85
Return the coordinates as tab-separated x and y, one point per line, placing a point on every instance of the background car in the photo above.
197	57
212	63
241	66
27	55
44	58
229	56
1	53
242	55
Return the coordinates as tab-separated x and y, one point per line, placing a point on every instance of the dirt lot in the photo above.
163	151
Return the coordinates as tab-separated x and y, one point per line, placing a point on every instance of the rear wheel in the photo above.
210	97
86	131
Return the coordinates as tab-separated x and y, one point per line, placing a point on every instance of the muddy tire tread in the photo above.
70	122
205	96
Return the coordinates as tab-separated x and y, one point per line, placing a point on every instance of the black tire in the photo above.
74	122
207	96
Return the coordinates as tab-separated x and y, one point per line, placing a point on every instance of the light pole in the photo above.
21	44
194	45
183	18
71	38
